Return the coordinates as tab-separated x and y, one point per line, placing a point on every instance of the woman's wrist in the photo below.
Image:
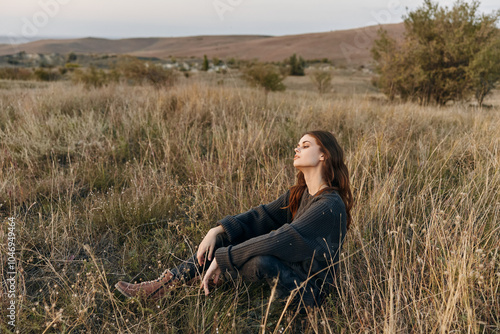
218	229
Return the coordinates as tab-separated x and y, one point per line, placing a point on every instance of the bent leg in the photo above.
190	268
169	279
273	271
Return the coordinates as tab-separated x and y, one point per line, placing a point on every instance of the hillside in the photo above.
348	47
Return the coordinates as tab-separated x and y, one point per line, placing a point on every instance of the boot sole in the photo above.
122	291
192	282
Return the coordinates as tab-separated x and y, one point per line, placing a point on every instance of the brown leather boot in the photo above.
154	289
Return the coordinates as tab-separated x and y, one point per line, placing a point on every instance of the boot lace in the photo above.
162	276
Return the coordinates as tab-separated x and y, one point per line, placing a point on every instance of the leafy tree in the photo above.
297	65
91	77
398	75
71	58
140	71
266	76
205	65
485	70
322	80
441	55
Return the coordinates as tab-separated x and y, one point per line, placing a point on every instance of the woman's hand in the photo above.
213	271
208	245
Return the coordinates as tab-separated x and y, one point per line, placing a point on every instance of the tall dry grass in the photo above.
121	182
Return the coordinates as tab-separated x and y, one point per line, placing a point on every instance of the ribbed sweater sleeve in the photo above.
259	220
318	233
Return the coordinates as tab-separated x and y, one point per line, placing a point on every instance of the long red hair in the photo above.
335	173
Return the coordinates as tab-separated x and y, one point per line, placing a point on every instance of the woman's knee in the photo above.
260	267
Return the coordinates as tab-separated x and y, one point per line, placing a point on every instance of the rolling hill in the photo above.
348	47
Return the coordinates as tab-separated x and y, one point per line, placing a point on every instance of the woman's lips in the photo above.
295	157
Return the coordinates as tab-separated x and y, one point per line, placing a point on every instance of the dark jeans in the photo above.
264	268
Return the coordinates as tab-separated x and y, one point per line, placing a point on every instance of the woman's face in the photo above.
307	153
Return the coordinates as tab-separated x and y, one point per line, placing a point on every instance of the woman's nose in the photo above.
297	150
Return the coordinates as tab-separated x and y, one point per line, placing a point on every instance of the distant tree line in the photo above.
134	70
446	55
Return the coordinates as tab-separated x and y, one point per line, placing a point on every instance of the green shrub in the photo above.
71	57
205	65
322	80
15	73
266	76
46	75
71	66
141	71
232	63
91	77
297	65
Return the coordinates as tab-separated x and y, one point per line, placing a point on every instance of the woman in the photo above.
293	242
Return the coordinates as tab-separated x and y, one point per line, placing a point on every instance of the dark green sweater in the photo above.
310	243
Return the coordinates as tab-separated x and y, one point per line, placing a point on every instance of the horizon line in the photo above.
5	39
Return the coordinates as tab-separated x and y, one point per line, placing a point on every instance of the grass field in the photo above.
118	183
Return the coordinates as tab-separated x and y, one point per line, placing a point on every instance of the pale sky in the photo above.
168	18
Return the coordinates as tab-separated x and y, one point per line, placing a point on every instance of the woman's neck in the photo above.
314	182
